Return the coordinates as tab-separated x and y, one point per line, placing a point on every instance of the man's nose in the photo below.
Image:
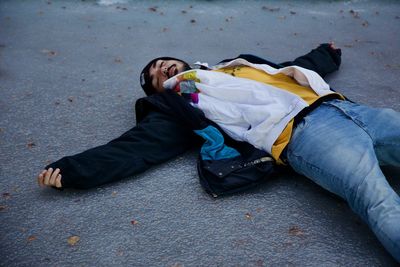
164	70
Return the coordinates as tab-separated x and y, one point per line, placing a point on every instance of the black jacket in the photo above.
161	135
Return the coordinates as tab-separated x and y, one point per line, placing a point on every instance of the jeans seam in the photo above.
318	169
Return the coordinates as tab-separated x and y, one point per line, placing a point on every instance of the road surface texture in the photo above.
69	78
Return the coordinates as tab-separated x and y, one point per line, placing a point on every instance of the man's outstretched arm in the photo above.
156	139
324	59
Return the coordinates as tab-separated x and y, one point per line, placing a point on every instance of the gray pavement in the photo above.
68	82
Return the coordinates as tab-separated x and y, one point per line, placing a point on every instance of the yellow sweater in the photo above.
283	82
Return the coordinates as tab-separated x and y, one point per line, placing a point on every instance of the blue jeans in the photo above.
340	146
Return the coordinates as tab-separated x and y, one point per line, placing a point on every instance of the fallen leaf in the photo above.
3	207
50	53
72	240
31	144
31	238
295	231
248	216
354	13
7	195
119	252
271	9
114	193
134	222
153	9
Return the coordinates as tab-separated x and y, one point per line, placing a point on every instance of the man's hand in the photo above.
50	178
332	46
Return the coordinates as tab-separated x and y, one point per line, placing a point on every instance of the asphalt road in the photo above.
68	82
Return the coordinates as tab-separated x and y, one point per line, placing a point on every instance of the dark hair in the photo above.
145	81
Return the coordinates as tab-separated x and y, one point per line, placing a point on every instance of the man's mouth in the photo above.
172	71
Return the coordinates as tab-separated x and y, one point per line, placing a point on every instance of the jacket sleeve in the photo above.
156	139
323	60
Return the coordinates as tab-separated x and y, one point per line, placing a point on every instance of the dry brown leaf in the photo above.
31	144
3	207
134	222
296	231
31	238
114	193
72	240
248	216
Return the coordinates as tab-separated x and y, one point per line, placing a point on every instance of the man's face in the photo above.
162	70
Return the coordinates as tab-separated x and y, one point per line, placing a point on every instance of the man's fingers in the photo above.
47	176
58	181
53	177
41	178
